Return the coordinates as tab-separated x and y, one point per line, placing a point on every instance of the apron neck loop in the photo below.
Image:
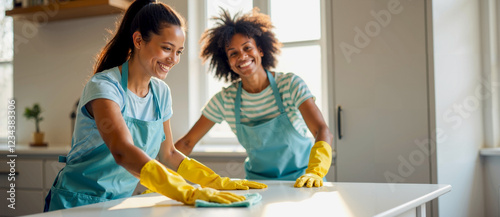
124	83
237	103
276	93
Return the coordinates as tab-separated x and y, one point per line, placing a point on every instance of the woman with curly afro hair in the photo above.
270	112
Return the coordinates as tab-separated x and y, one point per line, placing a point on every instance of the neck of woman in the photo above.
256	83
138	81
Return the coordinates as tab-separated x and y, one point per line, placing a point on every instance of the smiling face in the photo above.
243	55
158	56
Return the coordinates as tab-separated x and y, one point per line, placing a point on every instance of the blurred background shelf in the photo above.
69	10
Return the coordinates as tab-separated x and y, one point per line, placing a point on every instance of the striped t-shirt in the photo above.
257	108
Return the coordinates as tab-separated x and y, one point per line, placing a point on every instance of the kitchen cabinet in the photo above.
33	180
63	10
36	169
382	91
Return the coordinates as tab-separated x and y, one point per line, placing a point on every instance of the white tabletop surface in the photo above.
281	199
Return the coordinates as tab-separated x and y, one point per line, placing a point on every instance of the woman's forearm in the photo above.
184	146
324	134
131	158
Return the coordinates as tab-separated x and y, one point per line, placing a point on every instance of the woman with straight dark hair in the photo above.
123	121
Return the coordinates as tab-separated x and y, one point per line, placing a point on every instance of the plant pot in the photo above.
38	139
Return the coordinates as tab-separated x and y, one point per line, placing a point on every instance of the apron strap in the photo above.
62	159
237	104
156	102
276	93
124	83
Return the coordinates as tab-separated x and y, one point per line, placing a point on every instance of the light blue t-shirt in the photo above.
107	85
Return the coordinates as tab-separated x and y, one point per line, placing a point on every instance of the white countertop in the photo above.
281	199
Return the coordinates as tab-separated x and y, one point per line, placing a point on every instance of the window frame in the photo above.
9	61
490	18
3	139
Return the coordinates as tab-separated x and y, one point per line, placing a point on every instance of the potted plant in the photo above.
34	113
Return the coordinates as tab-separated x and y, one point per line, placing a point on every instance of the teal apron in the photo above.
275	149
95	177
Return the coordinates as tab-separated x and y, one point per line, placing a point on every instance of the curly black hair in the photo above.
254	25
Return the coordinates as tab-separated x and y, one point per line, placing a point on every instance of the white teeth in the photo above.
164	67
246	64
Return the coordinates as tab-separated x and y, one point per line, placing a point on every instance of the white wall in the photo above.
51	65
53	61
457	61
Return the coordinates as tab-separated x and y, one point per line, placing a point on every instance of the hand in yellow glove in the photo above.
198	173
320	160
158	178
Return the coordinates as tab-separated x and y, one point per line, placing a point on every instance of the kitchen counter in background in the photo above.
55	150
29	151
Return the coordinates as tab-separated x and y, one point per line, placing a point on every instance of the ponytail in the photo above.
145	16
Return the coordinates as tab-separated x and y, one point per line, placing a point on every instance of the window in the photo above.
6	55
220	133
301	53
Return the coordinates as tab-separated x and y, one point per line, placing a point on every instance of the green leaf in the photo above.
34	113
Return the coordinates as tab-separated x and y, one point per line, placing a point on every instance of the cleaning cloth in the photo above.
251	200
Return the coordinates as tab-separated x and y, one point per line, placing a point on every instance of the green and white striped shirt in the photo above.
257	108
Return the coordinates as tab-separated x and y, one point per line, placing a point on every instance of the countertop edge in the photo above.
443	189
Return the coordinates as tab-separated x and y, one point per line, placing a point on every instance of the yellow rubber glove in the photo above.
158	178
147	191
198	173
320	160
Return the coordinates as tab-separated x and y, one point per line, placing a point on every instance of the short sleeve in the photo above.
299	90
102	86
213	109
